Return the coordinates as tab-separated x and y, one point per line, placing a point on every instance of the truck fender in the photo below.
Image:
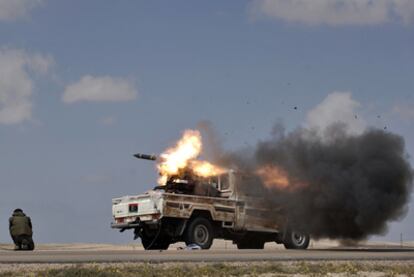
202	212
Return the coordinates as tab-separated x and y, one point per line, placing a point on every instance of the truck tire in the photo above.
199	231
160	243
295	240
250	244
154	240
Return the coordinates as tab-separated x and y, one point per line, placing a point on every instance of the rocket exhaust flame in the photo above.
182	158
176	158
205	169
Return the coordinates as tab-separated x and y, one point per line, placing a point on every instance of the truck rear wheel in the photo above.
152	240
199	231
296	240
161	243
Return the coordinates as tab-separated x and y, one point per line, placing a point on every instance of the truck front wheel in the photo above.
199	231
296	240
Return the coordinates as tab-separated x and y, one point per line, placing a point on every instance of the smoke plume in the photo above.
342	185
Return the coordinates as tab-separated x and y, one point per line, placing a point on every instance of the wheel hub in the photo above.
201	234
298	238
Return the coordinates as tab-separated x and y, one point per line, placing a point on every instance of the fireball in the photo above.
205	169
183	156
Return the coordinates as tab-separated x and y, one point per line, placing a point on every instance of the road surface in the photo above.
213	255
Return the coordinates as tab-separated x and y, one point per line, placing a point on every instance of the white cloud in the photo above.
13	9
336	12
405	111
16	84
40	63
337	107
405	10
97	89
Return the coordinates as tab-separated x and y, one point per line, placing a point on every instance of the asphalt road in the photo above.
82	256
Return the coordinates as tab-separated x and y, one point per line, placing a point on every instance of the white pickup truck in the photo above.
198	212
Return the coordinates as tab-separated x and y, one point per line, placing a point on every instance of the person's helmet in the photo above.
18	210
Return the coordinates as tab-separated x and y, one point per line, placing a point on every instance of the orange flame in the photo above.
176	158
183	156
275	177
206	169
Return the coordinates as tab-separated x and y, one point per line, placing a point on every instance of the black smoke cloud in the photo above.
354	184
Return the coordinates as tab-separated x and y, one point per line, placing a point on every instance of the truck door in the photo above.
240	218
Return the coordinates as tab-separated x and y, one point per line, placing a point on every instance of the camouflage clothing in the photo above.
20	224
20	227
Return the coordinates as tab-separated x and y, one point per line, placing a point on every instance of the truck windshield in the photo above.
224	182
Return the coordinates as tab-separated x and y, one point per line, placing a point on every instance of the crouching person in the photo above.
20	227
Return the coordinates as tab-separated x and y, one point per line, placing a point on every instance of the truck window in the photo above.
214	181
224	182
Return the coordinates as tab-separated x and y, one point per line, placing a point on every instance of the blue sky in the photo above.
85	84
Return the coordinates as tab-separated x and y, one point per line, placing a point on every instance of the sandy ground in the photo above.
220	245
